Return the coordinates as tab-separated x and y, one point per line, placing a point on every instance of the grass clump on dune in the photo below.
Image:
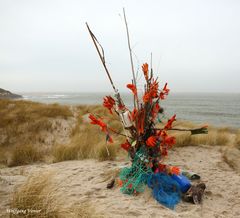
38	197
237	140
25	154
87	141
22	121
212	138
27	126
19	112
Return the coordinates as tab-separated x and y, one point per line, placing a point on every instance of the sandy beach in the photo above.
85	181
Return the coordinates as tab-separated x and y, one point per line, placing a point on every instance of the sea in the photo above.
218	109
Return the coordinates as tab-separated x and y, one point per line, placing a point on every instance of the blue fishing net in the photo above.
135	177
165	190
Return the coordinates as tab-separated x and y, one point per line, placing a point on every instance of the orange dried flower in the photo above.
165	89
145	70
120	183
152	93
164	92
132	88
155	111
175	170
146	97
170	140
126	145
134	114
151	141
170	121
154	89
108	102
98	122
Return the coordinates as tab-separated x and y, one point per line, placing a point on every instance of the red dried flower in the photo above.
164	92
170	140
162	167
151	141
155	111
134	114
141	119
152	93
146	97
108	102
165	89
154	89
133	88
162	95
145	70
170	121
98	122
126	145
175	170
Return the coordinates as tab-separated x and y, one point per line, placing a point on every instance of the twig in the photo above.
202	130
118	133
96	43
151	67
129	47
130	53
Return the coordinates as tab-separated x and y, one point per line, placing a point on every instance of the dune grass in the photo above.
25	154
87	140
23	129
23	122
38	197
237	140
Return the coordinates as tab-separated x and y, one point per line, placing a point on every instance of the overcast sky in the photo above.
44	44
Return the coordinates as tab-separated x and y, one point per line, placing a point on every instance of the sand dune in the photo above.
85	181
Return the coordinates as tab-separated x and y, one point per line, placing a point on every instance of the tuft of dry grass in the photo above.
24	125
237	140
85	145
24	154
3	157
18	112
87	140
22	121
36	198
106	152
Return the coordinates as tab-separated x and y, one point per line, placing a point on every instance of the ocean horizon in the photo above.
219	109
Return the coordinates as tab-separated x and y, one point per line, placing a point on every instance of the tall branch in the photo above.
130	53
101	55
129	47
